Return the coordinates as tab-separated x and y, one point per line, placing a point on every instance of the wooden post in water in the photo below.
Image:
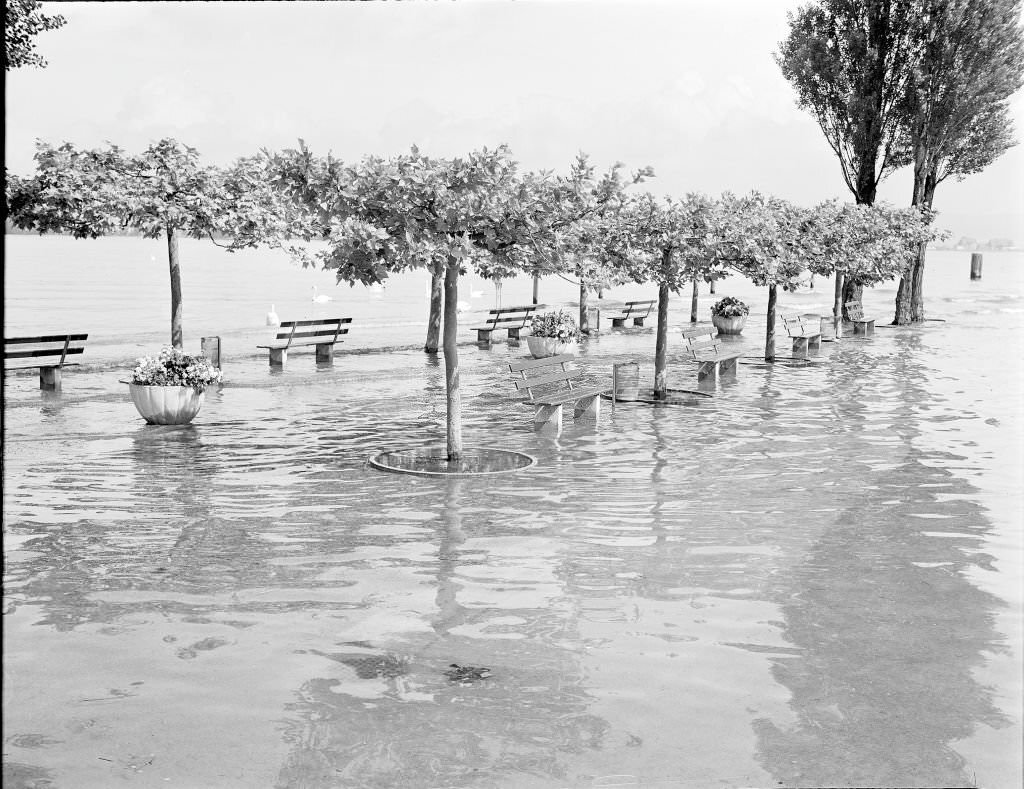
211	350
975	265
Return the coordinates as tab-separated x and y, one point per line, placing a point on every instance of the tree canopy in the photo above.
23	21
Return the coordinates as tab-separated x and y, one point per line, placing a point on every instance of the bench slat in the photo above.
547	361
45	338
575	394
555	377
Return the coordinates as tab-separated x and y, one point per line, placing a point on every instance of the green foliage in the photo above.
766	239
174	367
560	325
23	21
90	193
971	61
849	62
870	244
730	307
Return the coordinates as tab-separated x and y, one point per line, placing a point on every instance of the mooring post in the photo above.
975	265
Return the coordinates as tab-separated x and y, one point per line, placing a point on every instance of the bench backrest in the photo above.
510	317
797	324
313	330
636	307
700	342
855	310
50	350
549	374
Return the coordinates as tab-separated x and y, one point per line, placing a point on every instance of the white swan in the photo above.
272	319
475	294
463	306
320	298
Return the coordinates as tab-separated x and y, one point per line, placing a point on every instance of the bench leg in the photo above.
278	356
814	343
800	347
707	372
548	415
588	406
483	337
728	367
513	334
638	321
618	322
325	353
49	379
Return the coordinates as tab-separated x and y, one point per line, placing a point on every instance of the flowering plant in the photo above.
174	367
559	325
730	307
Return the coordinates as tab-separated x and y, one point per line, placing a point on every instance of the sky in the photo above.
688	87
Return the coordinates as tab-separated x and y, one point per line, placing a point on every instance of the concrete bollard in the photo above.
211	350
975	265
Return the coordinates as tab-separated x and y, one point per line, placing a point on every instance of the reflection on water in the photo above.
777	585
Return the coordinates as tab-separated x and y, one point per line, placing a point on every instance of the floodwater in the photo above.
812	578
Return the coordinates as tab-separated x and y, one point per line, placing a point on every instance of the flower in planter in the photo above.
559	325
174	367
730	307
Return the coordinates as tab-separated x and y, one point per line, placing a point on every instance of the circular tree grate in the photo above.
433	461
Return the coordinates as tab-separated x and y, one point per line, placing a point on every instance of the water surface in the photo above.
812	578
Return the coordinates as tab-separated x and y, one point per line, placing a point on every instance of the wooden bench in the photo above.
49	353
323	333
637	310
704	346
550	383
510	318
861	325
805	334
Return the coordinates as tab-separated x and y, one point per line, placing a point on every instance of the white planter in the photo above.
549	346
730	325
166	405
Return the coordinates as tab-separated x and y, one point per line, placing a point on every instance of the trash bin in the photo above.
625	381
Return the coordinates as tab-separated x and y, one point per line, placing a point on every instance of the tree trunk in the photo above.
852	291
693	304
584	322
436	300
451	359
177	339
837	307
917	284
661	346
910	296
536	287
712	288
769	337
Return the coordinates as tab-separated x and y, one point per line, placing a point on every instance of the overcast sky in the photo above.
686	86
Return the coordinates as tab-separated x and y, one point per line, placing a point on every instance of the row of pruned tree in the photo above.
380	216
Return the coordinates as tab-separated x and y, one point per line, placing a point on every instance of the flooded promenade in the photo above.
812	578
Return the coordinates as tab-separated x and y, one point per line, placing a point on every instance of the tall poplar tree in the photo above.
849	62
957	105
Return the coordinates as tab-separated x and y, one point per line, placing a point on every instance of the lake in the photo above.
811	578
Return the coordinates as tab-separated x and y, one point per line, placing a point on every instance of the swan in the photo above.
320	298
463	306
475	294
272	319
